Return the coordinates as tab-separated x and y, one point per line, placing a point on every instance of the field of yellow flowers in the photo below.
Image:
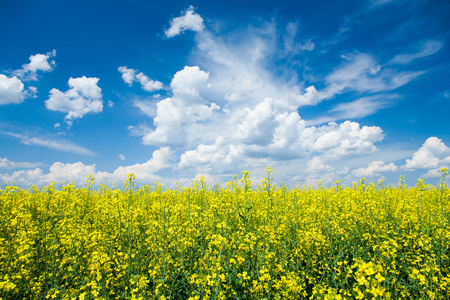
367	241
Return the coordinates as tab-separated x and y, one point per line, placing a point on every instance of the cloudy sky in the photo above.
173	90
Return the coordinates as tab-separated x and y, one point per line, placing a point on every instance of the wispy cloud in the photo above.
357	109
426	48
376	3
146	107
50	143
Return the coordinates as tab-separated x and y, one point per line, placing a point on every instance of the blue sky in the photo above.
171	91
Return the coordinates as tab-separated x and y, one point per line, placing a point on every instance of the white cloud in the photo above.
236	107
362	73
189	21
317	165
426	49
338	140
77	172
290	45
148	108
374	169
11	90
359	108
84	96
38	62
54	144
139	130
161	159
177	117
58	173
130	75
258	124
213	158
25	178
178	124
234	111
310	97
433	173
433	154
7	164
189	82
241	90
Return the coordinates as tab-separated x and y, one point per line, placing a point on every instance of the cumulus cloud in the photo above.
374	169
257	123
25	177
7	164
131	75
161	159
77	172
218	156
190	20
38	62
11	90
433	154
189	82
58	173
317	165
234	110
176	117
84	96
338	140
433	173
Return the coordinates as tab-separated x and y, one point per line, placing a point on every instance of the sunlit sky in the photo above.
175	90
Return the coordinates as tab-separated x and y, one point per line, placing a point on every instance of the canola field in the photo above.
242	241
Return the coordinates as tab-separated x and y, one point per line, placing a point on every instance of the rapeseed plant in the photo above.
367	241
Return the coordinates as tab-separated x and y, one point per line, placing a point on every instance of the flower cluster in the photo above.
367	241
